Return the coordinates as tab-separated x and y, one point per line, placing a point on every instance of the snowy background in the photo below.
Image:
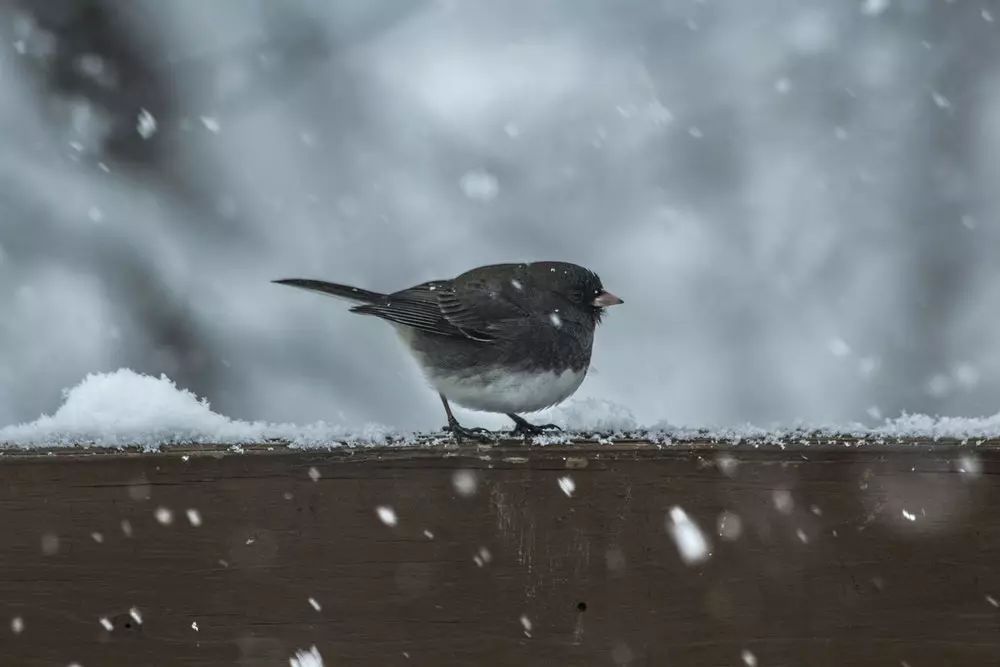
797	199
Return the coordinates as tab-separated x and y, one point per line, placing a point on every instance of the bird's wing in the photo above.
487	307
468	310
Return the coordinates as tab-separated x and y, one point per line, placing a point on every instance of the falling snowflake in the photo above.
386	515
838	347
555	320
691	542
50	544
526	624
17	625
970	464
749	659
194	517
874	7
211	124
783	501
105	623
909	516
483	557
164	516
940	100
314	604
145	124
465	482
730	526
136	616
314	474
479	185
567	485
194	626
310	658
428	534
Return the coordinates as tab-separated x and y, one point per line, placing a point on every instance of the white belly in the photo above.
499	391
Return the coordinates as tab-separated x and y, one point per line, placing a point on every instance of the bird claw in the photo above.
460	432
524	429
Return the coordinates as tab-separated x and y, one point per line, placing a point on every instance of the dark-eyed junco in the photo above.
503	338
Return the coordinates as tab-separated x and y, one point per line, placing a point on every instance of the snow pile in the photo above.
590	415
126	408
935	428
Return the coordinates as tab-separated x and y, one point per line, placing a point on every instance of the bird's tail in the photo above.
333	289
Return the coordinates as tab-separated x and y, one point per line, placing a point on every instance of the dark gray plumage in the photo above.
502	338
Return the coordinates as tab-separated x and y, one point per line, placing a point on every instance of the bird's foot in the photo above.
461	433
525	429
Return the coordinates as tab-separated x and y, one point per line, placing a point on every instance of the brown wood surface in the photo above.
828	568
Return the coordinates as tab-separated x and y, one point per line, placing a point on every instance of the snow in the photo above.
194	517
315	605
874	7
483	557
526	624
567	485
164	516
909	516
314	474
50	544
783	501
211	124
310	658
729	526
125	408
145	124
386	515
465	482
105	623
17	625
691	542
479	185
135	614
749	659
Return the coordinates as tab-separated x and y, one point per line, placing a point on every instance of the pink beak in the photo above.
605	299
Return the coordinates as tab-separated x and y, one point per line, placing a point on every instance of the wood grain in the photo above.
873	555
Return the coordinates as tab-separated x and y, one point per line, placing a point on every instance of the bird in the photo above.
503	338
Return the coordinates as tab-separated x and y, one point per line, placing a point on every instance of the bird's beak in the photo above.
605	299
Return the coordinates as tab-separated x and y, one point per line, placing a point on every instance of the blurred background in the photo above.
797	199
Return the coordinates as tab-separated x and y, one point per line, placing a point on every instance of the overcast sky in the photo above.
796	199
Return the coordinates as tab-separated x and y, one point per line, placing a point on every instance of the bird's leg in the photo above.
523	427
459	431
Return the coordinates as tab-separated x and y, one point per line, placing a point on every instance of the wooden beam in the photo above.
828	553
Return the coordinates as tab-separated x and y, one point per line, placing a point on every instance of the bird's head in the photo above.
581	287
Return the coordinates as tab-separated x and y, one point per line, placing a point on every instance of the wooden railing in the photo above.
813	553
